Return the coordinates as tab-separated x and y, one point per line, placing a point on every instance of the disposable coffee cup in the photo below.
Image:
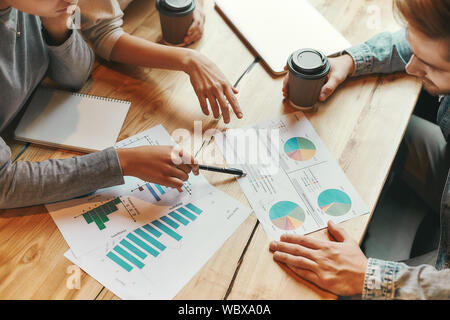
308	71
176	17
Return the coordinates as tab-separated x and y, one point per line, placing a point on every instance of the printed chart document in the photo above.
293	183
109	213
146	241
156	260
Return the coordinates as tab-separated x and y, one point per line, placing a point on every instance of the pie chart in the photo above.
287	215
299	149
334	202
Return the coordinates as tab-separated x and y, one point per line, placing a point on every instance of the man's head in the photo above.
428	32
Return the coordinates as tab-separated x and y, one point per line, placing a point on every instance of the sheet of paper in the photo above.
145	241
91	221
293	183
157	263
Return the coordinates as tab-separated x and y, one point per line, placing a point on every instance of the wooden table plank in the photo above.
362	125
161	97
157	96
167	98
215	277
350	126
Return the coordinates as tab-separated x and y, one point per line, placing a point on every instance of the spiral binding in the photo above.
83	95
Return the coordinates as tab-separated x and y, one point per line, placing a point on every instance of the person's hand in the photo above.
195	31
57	26
336	266
341	67
165	165
210	84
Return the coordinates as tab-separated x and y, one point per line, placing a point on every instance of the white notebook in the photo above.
276	28
72	121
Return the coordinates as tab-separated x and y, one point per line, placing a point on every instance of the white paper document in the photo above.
145	241
158	259
293	183
90	221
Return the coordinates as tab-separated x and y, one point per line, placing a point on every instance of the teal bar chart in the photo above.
137	247
100	214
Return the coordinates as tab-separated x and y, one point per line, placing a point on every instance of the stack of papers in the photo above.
134	238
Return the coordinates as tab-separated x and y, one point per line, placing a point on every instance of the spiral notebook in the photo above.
72	121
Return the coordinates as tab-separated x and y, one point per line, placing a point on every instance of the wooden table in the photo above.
362	126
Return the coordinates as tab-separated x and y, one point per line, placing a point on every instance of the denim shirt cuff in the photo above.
361	55
379	280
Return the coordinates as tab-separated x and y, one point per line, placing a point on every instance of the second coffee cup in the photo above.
308	71
176	17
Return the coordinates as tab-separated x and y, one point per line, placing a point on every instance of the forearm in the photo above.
383	53
394	280
30	183
150	54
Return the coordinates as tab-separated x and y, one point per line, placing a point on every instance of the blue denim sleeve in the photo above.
387	280
443	117
383	53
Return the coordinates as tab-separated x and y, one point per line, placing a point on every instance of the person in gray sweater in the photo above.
36	42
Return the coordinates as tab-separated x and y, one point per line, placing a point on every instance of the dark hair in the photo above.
430	17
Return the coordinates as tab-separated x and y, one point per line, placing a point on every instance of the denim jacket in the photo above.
388	53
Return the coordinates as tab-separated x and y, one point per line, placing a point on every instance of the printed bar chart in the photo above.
152	230
100	214
160	189
179	218
193	208
170	222
129	257
143	245
119	261
167	230
187	213
153	192
133	249
148	239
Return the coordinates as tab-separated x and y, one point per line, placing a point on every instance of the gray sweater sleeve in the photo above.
30	183
71	63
